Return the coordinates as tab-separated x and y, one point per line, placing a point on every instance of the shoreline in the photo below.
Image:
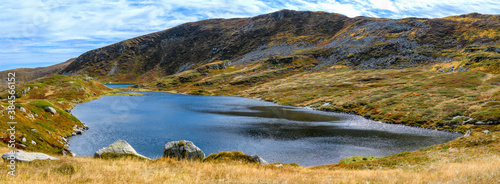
301	107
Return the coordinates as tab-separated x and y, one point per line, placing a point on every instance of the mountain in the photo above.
29	74
333	39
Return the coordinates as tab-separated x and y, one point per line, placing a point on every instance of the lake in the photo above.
217	123
119	85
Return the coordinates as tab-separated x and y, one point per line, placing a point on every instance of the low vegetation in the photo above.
471	159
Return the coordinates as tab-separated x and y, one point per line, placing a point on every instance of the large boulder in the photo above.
118	147
182	150
50	109
260	160
26	156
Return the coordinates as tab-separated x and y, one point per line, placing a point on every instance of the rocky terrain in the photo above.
333	39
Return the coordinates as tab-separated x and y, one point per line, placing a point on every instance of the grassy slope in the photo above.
474	159
58	91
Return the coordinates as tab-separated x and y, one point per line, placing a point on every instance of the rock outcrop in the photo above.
182	150
260	160
26	156
50	109
118	147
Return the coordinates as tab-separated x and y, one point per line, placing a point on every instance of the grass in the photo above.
473	159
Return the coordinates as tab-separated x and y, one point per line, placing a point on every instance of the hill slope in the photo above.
333	39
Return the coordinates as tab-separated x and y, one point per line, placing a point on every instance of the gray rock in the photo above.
486	132
467	134
24	139
50	109
33	142
182	150
260	160
33	130
73	133
120	146
26	156
78	131
67	110
22	109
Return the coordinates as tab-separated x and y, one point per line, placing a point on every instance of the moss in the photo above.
108	156
230	156
355	159
67	169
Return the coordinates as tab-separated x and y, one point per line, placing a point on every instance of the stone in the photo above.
26	156
22	109
486	132
120	146
183	150
73	133
279	166
78	131
260	160
50	109
467	134
33	142
33	130
67	110
24	139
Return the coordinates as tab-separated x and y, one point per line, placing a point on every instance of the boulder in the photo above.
120	146
467	134
26	156
23	139
50	109
183	150
22	109
260	160
486	132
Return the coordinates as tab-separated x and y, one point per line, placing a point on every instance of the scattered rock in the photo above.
33	130
22	109
50	109
33	142
279	166
73	133
24	139
26	156
67	110
182	150
120	146
78	131
467	134
260	160
486	132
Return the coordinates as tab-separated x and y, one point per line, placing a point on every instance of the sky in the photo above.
36	33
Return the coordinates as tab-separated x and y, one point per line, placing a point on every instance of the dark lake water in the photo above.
119	85
276	133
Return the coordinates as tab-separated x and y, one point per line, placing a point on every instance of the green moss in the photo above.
108	156
356	159
228	156
67	169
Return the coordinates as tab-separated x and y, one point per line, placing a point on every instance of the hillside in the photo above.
471	41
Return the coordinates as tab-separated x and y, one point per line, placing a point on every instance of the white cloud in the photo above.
41	28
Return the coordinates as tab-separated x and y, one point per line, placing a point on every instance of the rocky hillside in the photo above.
332	39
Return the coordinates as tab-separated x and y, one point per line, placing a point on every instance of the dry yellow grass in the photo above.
469	164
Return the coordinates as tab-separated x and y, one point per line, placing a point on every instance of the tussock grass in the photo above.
473	159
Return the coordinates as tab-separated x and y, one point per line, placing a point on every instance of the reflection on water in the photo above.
276	133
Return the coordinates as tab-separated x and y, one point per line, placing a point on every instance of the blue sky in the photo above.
37	33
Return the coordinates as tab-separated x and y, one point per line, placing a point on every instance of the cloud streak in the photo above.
52	31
